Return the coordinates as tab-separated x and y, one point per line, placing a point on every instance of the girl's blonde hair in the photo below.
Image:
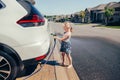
70	27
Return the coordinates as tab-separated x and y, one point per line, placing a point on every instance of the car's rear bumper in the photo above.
35	60
33	50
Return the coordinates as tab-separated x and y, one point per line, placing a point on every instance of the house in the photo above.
76	18
96	14
58	17
115	19
87	15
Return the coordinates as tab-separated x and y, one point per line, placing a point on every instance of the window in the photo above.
33	18
2	5
117	9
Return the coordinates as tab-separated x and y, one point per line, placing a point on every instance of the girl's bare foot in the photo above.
69	66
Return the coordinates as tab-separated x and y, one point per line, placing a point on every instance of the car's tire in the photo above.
8	67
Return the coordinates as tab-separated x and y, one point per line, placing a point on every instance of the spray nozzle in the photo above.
53	34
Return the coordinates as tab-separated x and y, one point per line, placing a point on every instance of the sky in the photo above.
58	7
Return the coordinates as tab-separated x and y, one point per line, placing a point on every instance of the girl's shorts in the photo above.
65	47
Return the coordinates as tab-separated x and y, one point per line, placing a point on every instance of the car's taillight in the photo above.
41	57
30	21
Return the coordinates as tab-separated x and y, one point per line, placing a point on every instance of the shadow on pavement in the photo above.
27	70
30	68
53	62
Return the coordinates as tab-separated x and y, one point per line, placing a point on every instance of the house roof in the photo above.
115	5
88	9
102	6
110	4
99	7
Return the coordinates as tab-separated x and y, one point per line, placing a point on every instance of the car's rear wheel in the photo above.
8	67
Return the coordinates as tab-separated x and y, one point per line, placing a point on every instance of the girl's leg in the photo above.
70	60
63	58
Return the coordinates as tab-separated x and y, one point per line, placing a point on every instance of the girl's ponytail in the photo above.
71	29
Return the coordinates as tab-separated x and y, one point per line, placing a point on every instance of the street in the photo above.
94	58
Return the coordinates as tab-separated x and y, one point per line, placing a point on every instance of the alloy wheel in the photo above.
5	68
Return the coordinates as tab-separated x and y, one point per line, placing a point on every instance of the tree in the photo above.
82	15
108	13
45	16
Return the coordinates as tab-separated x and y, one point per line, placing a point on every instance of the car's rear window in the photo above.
30	8
33	17
31	12
2	5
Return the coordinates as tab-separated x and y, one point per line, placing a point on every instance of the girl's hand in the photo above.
55	37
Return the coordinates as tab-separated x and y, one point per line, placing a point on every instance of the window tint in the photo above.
33	18
32	12
30	9
1	5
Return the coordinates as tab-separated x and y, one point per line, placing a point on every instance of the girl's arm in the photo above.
63	38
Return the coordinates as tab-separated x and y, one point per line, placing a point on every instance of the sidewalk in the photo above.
54	72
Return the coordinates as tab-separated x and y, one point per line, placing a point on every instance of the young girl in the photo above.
66	44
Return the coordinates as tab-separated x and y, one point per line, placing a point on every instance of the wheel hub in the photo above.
5	68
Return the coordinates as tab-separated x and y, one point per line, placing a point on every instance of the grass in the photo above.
100	25
81	23
116	27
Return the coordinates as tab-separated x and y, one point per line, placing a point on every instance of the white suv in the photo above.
24	35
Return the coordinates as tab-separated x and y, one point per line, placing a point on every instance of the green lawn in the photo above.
81	23
116	27
100	25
